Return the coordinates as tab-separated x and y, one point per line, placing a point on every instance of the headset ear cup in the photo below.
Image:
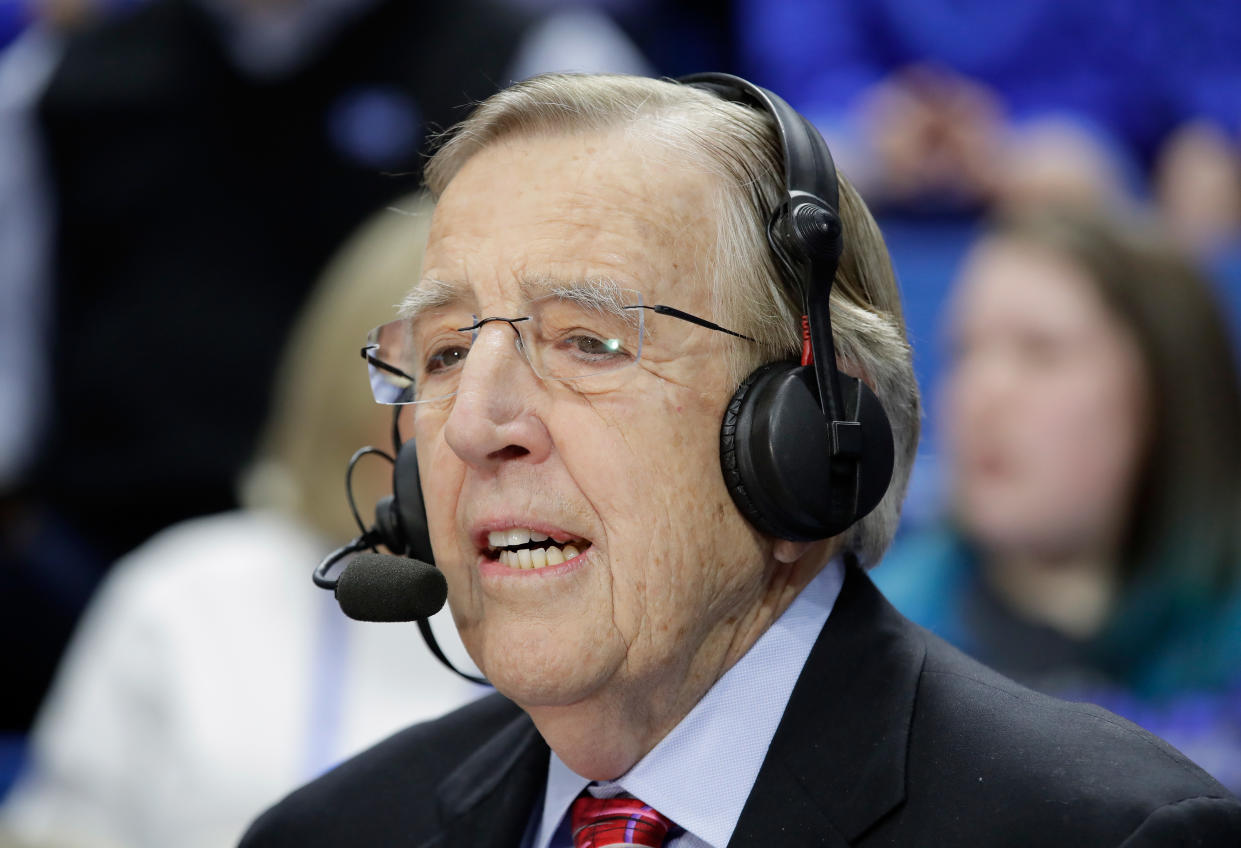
874	473
783	472
734	454
776	456
409	509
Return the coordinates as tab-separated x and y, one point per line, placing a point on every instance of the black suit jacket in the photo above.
891	737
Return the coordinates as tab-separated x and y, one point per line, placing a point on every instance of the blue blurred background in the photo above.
175	174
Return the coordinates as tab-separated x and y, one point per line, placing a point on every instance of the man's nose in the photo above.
493	417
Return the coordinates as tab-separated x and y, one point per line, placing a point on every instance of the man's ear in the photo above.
821	550
787	552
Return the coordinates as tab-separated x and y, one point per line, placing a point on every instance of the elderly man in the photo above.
680	653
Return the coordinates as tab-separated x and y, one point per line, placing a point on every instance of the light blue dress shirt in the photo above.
701	773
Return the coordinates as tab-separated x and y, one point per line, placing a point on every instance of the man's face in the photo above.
668	572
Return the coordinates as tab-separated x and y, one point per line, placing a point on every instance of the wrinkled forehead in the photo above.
599	294
589	213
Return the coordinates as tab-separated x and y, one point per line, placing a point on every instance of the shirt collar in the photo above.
701	773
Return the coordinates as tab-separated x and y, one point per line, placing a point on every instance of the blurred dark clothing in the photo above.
195	206
681	36
47	575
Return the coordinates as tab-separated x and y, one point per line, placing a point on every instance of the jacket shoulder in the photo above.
1032	763
385	788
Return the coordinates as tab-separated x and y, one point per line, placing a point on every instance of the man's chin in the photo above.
548	682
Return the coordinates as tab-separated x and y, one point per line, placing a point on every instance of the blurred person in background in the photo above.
1092	415
209	676
187	168
43	580
943	106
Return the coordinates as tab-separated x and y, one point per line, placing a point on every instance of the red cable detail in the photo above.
807	352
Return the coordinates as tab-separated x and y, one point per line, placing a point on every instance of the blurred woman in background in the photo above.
1092	418
210	676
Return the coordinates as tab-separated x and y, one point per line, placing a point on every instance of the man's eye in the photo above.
593	347
445	359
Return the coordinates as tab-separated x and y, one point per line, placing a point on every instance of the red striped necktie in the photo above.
607	822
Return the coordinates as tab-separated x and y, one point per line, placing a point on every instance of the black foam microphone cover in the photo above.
379	587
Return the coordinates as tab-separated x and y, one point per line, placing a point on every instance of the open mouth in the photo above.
522	548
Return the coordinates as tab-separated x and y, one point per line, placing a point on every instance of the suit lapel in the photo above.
487	801
837	762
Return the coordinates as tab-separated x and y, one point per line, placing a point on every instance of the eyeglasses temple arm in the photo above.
672	312
383	366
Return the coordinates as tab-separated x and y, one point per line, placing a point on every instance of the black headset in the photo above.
805	450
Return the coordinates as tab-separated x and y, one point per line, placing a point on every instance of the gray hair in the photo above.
739	146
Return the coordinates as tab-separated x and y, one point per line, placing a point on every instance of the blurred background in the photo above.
192	192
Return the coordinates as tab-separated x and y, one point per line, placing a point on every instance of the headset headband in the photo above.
804	231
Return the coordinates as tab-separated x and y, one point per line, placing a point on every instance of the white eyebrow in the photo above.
430	293
601	294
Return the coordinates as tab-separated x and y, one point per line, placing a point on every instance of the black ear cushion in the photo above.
775	454
410	509
879	452
730	463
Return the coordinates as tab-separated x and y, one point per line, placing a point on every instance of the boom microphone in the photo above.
379	587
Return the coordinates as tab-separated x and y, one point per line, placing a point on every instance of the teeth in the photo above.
530	558
502	541
514	536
